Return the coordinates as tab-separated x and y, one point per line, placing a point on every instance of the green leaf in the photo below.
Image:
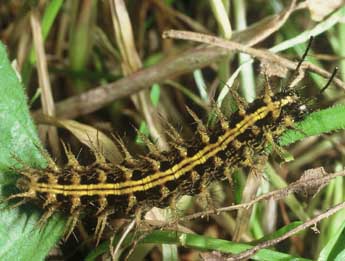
316	123
335	248
20	238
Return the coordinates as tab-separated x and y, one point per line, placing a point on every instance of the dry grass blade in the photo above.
97	98
115	252
250	190
44	83
124	37
243	215
132	63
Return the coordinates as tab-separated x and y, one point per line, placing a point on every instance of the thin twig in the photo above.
276	194
260	54
312	222
305	183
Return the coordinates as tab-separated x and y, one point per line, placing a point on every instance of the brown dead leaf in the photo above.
94	139
88	135
311	179
260	30
321	8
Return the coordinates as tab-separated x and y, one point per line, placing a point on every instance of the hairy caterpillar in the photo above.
103	189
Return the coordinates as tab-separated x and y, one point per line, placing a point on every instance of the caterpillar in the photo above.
123	190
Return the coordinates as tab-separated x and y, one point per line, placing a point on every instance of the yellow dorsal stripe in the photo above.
172	173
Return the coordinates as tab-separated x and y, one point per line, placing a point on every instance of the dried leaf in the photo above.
321	8
88	135
260	30
311	179
94	139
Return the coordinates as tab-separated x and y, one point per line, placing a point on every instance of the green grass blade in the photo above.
335	247
280	232
202	243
